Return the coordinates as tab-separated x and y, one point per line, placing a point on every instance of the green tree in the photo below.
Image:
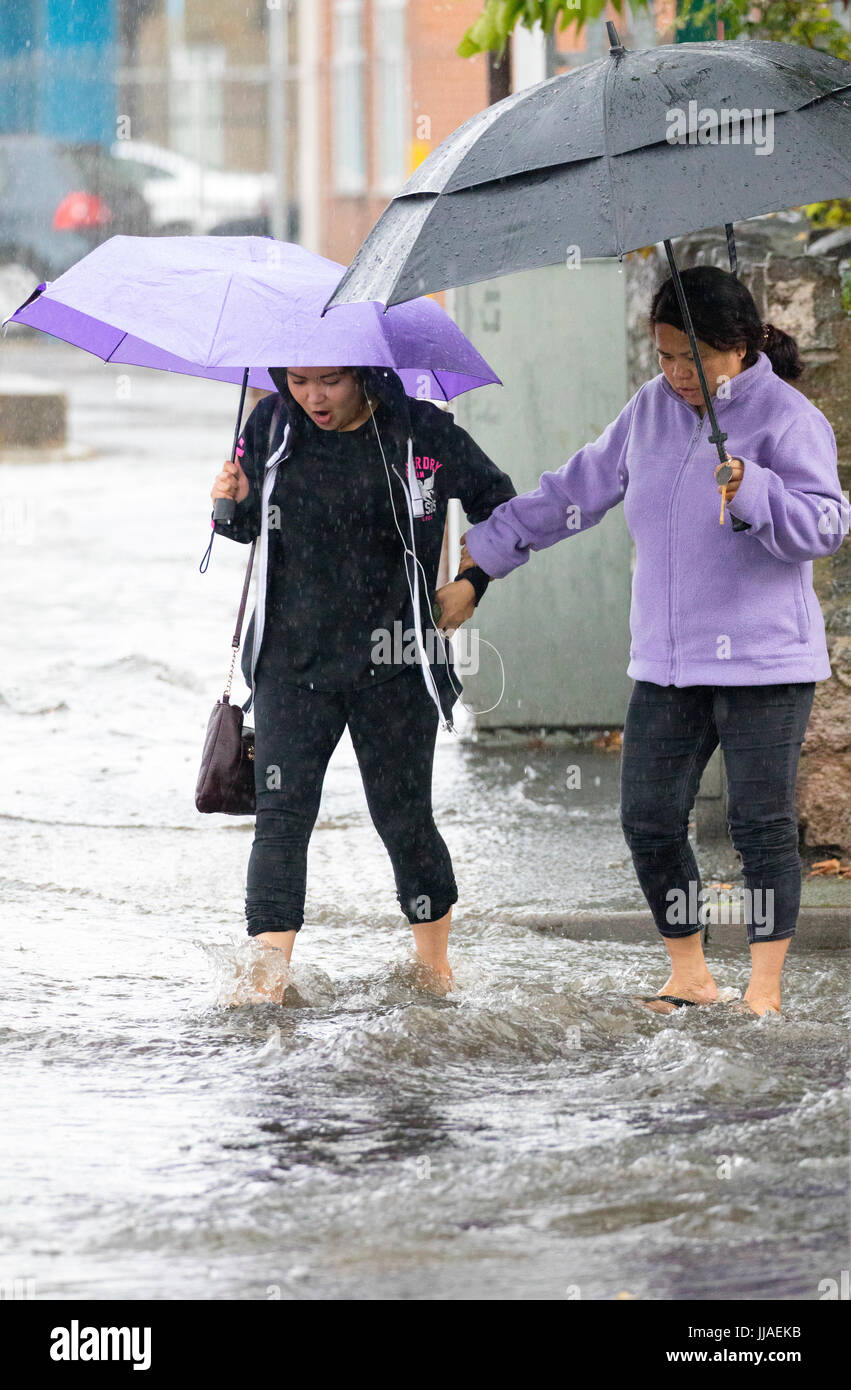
499	19
809	22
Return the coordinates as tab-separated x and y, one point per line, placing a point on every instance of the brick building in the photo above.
391	87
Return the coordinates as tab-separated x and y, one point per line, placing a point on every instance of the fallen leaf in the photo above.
824	867
609	742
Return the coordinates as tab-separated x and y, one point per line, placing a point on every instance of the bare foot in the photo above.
702	990
758	1004
263	977
436	979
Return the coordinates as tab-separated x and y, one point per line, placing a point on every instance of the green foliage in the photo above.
499	19
807	22
826	216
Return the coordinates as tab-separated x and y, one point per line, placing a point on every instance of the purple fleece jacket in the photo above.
710	606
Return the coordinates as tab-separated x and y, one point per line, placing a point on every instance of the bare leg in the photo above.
431	940
283	940
763	993
689	977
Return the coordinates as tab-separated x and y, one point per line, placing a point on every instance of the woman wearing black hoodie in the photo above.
354	478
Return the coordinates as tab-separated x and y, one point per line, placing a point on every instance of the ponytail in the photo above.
782	352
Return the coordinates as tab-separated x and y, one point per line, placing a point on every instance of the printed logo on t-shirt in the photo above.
426	469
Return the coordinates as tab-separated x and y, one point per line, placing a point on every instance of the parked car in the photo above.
59	200
184	197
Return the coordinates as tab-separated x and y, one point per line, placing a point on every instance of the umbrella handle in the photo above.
723	476
224	509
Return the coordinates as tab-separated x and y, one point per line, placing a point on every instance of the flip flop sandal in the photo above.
667	999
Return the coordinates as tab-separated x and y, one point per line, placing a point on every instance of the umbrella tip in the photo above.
616	45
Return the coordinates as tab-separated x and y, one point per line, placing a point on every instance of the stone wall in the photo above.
803	295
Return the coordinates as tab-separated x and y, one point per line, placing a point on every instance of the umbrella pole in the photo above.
716	436
224	507
239	413
731	248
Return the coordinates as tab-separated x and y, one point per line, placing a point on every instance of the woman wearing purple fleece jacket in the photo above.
728	637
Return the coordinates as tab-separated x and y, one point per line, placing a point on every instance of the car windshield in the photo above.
97	169
140	172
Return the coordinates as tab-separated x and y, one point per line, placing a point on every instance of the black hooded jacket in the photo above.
448	463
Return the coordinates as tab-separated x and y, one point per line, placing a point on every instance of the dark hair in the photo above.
279	374
381	384
725	316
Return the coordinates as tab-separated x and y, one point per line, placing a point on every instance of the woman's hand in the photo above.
456	603
738	468
231	482
467	561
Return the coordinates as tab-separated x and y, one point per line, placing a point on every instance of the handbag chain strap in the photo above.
235	641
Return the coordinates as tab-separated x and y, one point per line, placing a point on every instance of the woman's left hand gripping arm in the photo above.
794	506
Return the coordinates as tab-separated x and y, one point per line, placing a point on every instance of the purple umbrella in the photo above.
229	307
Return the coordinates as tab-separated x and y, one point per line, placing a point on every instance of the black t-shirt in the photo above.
336	566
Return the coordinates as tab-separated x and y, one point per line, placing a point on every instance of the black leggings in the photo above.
393	726
669	736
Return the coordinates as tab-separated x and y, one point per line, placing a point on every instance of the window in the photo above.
349	153
196	98
391	104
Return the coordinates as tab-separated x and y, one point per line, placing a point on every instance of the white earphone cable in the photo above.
414	595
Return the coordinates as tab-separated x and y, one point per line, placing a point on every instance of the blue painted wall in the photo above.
18	29
57	62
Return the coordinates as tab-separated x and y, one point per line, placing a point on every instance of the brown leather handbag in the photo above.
226	778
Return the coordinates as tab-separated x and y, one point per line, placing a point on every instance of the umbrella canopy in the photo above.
215	306
590	159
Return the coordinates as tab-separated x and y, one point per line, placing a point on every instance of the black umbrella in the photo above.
636	148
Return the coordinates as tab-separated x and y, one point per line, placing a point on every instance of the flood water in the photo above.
534	1135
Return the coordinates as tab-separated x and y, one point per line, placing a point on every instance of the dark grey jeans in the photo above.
669	736
393	726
